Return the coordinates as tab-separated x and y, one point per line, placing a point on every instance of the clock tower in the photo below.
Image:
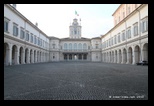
75	30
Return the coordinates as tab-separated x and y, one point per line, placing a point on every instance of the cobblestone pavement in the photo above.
75	81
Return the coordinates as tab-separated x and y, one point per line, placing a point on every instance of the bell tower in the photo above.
75	30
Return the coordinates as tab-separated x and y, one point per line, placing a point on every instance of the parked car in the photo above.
142	63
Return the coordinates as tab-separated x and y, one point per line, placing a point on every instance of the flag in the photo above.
76	13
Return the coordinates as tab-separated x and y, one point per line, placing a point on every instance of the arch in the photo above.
14	55
120	56
65	56
79	56
21	55
145	52
124	55
65	46
137	53
6	54
70	46
70	56
84	46
80	46
130	55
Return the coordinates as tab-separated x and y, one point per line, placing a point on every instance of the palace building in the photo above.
126	42
25	43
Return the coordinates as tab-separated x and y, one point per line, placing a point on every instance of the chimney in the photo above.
36	24
14	5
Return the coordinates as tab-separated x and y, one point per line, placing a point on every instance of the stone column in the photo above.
128	57
67	56
133	56
117	56
7	56
35	56
10	55
16	56
122	60
72	57
32	57
28	56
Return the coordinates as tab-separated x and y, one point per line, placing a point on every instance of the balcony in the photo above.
75	50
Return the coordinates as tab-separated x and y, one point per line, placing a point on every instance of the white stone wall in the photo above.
20	51
130	50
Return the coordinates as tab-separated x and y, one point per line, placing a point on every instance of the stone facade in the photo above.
25	43
127	41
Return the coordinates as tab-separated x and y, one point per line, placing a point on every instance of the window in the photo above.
84	46
96	46
75	46
115	22
35	40
135	5
128	33
119	18
112	41
53	46
107	43
38	43
65	46
70	46
80	46
15	29
22	33
123	14
31	38
41	42
27	36
136	29
75	31
6	25
115	41
72	32
128	10
144	25
123	35
119	37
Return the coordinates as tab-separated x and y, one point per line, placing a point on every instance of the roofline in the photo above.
117	9
142	5
26	20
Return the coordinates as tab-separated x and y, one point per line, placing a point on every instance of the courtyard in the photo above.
75	81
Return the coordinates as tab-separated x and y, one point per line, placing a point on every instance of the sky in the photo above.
55	19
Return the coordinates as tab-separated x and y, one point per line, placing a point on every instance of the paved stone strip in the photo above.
75	81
